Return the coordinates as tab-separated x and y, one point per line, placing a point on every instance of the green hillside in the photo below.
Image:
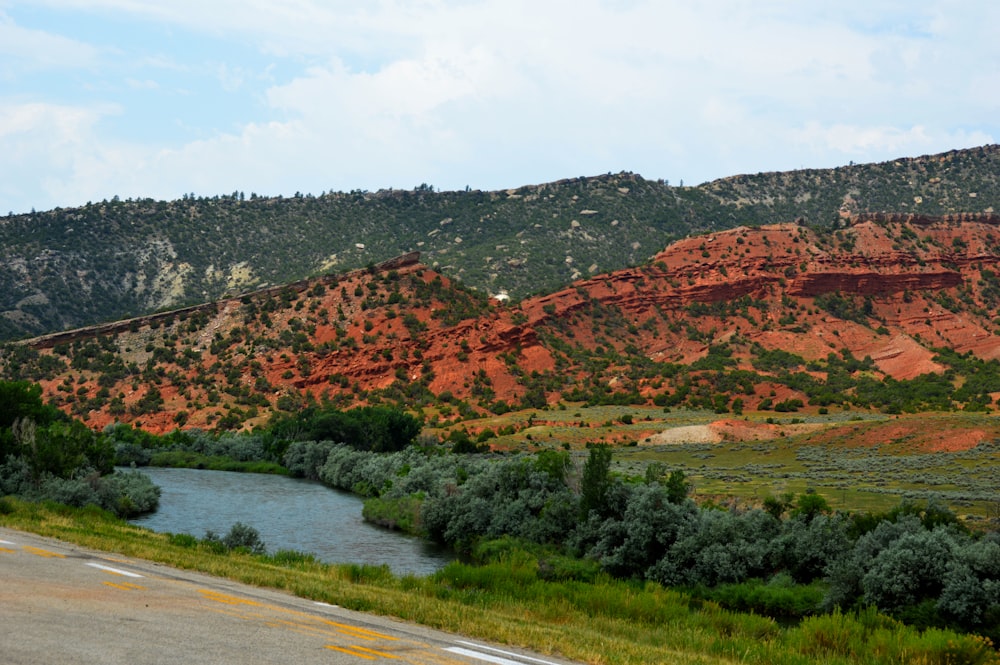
70	267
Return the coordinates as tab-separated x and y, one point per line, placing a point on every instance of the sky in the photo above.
162	98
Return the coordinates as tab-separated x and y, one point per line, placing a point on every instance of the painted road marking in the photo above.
38	551
6	542
374	651
495	659
361	652
377	645
113	571
506	653
304	619
349	651
124	586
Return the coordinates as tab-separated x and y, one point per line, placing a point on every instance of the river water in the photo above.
289	514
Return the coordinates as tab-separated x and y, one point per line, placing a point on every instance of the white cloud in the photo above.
44	146
498	93
26	49
883	140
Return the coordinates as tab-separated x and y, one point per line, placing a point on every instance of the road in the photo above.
60	603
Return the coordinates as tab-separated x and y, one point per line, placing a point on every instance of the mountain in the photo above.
895	312
71	267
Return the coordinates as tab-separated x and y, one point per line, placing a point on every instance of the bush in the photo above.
780	597
241	537
244	537
971	593
182	540
304	459
910	570
831	634
128	493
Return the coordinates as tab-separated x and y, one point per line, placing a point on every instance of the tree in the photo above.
810	505
910	570
677	487
21	402
596	479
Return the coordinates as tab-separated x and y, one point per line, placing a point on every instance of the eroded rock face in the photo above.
791	260
891	287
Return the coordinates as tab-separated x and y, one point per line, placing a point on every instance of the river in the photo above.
289	514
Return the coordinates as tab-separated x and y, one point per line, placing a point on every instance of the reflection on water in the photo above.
289	513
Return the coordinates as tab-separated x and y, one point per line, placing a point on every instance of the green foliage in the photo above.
677	487
21	401
845	307
44	456
462	443
375	428
398	513
780	597
241	538
80	257
775	360
596	480
125	494
810	505
303	459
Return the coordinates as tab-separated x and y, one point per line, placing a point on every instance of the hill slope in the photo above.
892	312
114	259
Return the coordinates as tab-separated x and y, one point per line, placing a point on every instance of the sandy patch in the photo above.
729	430
686	434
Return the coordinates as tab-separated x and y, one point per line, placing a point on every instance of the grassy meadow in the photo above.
858	460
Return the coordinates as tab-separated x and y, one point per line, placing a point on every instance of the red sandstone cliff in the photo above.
914	284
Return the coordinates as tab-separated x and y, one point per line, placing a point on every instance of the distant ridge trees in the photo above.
121	258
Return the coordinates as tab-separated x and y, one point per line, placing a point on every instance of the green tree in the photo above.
810	505
596	480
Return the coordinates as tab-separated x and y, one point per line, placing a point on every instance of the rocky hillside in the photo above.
891	312
105	261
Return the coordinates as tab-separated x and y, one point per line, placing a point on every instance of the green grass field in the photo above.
859	461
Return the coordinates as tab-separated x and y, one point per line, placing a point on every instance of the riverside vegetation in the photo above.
609	568
44	455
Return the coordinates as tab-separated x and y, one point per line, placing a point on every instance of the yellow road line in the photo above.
377	653
124	586
7	550
229	600
362	633
45	553
352	631
349	652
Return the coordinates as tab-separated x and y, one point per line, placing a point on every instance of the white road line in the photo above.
482	656
6	542
114	571
506	653
321	604
461	651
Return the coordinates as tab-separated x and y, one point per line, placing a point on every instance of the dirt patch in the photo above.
954	441
686	434
744	430
728	430
915	434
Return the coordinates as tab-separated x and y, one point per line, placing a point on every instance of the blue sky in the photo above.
141	98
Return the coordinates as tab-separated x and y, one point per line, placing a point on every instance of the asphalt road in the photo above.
60	603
